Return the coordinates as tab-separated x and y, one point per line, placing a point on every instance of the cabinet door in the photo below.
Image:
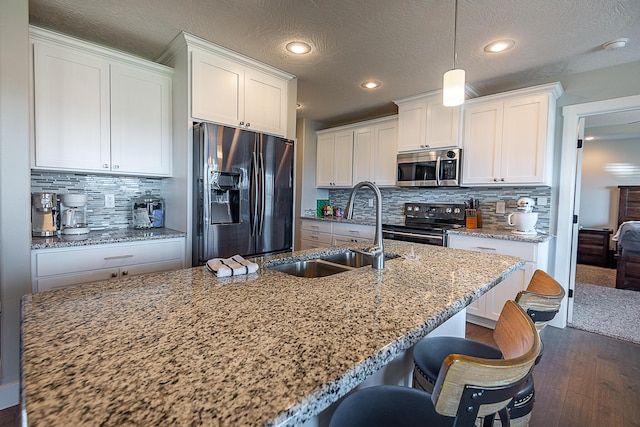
482	143
265	103
324	160
343	159
507	290
386	161
442	124
217	89
524	140
364	154
412	125
140	121
71	107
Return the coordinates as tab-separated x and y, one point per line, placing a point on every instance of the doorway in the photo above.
567	230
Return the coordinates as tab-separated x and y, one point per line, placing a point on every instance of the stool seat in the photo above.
388	406
429	354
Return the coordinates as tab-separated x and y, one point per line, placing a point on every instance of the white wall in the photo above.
605	166
15	220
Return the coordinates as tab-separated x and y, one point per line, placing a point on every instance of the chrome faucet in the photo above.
377	250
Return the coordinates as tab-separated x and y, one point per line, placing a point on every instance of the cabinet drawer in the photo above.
322	239
316	226
78	259
354	230
523	250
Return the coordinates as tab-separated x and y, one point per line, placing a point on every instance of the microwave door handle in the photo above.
438	171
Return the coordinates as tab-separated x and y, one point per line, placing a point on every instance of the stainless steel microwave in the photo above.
437	168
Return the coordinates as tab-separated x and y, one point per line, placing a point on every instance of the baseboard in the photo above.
9	395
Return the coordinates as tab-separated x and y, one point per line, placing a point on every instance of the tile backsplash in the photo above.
125	189
393	200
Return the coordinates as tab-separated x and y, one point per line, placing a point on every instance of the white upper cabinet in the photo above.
334	159
140	121
72	109
424	123
374	153
508	138
97	110
228	92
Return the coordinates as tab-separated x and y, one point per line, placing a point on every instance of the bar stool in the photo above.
541	300
466	388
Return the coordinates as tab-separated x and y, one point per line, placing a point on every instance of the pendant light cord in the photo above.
455	33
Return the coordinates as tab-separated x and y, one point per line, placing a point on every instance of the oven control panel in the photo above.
436	211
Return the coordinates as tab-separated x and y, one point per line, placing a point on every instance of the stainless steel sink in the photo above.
327	265
311	268
353	259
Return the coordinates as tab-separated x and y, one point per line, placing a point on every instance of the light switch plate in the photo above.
370	203
109	201
500	207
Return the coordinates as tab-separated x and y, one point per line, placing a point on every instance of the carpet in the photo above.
607	311
593	275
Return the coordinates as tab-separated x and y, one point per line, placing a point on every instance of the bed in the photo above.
628	238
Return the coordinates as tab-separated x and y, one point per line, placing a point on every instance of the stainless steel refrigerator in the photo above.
243	193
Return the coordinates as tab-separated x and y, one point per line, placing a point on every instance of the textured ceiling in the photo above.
405	44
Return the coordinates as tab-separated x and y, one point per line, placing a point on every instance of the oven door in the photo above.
414	236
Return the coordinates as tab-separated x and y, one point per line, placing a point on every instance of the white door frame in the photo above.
565	267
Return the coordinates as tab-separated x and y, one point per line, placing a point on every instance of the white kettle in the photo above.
524	221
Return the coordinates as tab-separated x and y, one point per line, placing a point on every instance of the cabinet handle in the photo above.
114	274
105	166
107	258
495	179
486	248
241	124
248	124
125	273
116	166
502	179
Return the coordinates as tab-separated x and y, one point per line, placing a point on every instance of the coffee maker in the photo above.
43	214
73	213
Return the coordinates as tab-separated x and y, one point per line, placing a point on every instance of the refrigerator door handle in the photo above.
255	187
262	194
206	194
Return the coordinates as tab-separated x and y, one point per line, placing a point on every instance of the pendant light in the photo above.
453	81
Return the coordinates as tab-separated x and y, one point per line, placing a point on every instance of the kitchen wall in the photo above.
605	166
125	189
395	198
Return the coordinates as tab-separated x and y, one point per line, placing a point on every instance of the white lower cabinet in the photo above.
321	234
62	267
486	309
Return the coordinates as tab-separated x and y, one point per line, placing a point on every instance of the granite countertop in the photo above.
98	237
503	234
187	348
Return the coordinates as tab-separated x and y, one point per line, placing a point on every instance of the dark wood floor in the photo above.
583	380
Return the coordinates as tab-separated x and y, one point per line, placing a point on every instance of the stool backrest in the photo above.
461	376
542	298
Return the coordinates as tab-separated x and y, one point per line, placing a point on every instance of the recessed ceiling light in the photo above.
371	84
299	48
499	46
615	44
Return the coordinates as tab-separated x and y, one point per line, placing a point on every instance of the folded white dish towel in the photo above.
234	266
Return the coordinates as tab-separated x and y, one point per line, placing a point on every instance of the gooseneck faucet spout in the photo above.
377	250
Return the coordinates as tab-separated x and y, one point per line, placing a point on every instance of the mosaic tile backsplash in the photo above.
393	200
125	189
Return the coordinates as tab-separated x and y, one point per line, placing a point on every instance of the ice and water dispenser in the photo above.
224	193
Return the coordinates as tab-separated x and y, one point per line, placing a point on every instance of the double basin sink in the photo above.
328	264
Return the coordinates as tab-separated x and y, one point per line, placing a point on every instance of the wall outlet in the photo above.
109	201
542	201
500	207
370	203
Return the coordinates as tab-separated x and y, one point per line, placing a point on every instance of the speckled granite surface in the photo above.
502	233
187	348
102	237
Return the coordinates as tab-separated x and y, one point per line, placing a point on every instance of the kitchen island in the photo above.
188	348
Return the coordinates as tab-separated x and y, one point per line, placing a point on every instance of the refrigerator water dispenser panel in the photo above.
224	197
